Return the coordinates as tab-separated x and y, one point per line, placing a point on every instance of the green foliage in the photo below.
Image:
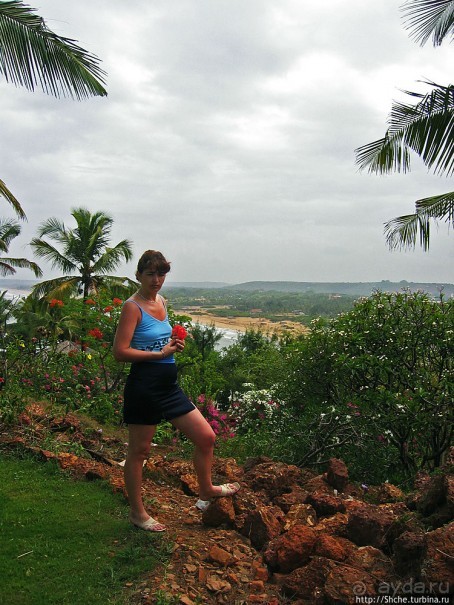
384	373
424	128
62	350
274	305
85	251
32	55
373	386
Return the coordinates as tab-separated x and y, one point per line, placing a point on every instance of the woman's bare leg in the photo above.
197	429
140	437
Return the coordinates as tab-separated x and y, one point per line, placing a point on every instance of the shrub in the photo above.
387	368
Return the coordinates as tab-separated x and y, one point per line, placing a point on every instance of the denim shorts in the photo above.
152	394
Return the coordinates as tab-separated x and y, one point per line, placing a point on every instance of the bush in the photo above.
385	370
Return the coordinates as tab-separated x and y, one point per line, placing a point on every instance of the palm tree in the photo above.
426	128
8	231
85	252
31	55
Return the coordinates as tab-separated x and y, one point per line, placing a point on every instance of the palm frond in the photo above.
54	228
429	18
8	266
44	249
31	55
402	232
55	287
9	197
426	128
112	257
8	231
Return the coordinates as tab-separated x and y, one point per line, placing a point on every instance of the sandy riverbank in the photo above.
247	323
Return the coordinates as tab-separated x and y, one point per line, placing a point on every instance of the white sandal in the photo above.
227	489
149	525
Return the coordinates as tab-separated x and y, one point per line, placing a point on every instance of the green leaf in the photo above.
31	55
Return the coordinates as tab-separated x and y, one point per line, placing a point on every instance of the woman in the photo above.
152	393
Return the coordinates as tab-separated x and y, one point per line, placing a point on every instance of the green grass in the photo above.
67	542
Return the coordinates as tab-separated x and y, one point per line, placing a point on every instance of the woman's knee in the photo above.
139	451
206	439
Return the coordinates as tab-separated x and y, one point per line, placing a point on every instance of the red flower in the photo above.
117	302
90	301
55	302
108	309
96	333
179	332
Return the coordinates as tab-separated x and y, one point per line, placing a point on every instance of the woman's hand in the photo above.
176	345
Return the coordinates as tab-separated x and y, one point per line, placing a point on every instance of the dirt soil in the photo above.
207	565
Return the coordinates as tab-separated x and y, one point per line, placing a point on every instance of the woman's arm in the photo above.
129	318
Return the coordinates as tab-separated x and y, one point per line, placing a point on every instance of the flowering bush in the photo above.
219	421
255	408
386	367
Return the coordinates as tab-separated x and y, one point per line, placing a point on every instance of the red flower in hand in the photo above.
179	332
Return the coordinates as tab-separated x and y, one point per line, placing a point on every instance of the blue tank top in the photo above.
151	334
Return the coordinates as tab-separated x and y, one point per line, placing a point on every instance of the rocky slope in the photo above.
288	536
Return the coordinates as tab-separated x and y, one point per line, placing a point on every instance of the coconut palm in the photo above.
426	128
8	231
31	55
85	255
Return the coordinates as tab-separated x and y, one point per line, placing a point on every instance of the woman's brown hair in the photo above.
153	259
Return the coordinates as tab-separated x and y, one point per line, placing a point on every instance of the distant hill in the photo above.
351	288
202	285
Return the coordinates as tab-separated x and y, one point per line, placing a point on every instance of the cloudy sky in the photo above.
227	139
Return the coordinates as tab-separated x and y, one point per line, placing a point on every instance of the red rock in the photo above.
433	495
300	514
437	565
257	598
214	584
326	505
256	586
261	573
318	484
368	525
228	468
246	500
387	492
307	582
220	512
408	549
331	548
275	478
221	556
343	584
189	484
261	526
335	525
337	474
291	550
286	501
373	561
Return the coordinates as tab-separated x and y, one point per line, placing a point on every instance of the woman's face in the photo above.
151	280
